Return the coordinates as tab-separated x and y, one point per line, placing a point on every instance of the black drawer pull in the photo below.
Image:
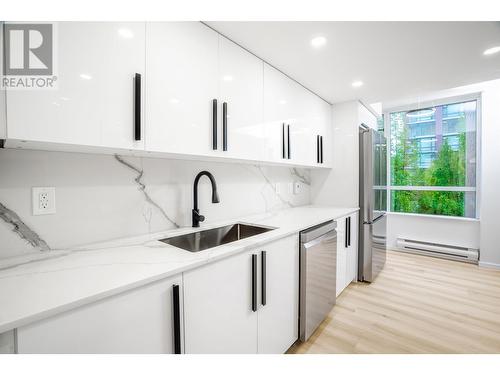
289	153
224	126
177	319
346	239
318	159
137	107
214	124
349	232
321	147
254	282
283	141
264	276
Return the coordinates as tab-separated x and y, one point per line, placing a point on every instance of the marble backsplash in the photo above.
103	197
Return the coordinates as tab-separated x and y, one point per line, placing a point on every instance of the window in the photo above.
433	160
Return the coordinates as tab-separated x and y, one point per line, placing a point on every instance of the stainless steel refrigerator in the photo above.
373	203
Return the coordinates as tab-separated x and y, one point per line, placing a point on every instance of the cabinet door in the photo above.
281	100
218	307
241	87
278	317
352	250
182	71
306	128
138	321
94	100
341	255
321	120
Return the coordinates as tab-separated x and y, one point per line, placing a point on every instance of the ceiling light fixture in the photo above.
85	76
125	33
421	112
318	41
357	84
227	78
491	51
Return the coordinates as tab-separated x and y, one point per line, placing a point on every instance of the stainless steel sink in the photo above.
206	239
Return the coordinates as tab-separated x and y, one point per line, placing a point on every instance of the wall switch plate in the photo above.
297	187
44	200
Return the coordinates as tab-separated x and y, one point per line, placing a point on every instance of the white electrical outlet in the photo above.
44	200
297	187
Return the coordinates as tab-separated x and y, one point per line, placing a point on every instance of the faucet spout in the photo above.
197	218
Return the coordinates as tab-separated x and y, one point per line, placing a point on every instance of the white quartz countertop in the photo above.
59	280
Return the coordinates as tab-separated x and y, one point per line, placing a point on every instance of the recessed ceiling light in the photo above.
85	76
125	33
491	51
282	101
227	78
318	41
357	84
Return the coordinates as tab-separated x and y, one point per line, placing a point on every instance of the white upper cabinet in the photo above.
281	102
241	88
93	104
201	95
181	84
293	118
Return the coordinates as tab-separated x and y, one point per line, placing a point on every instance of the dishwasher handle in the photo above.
327	237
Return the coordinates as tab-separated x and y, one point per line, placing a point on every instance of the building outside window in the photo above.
433	155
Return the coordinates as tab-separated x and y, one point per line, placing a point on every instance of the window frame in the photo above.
433	103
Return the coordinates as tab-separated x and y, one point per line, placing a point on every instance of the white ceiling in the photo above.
393	59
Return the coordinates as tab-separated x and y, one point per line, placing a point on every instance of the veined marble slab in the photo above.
53	283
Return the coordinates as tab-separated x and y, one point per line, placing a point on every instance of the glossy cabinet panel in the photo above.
241	87
347	251
281	107
181	82
94	100
184	67
278	318
137	321
218	307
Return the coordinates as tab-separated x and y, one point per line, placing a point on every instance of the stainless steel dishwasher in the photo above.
318	272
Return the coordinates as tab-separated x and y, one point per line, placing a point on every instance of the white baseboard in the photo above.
489	265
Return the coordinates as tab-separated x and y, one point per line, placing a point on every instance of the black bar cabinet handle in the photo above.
264	276
214	124
254	282
137	107
346	240
321	146
177	320
224	126
317	150
283	141
288	131
350	231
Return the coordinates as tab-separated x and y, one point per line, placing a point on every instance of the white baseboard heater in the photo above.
459	253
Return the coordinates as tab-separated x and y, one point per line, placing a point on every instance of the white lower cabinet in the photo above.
347	251
247	303
138	321
244	304
278	318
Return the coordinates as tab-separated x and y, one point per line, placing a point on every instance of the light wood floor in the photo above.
416	305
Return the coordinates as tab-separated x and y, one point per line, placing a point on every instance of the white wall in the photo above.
488	231
437	229
99	199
